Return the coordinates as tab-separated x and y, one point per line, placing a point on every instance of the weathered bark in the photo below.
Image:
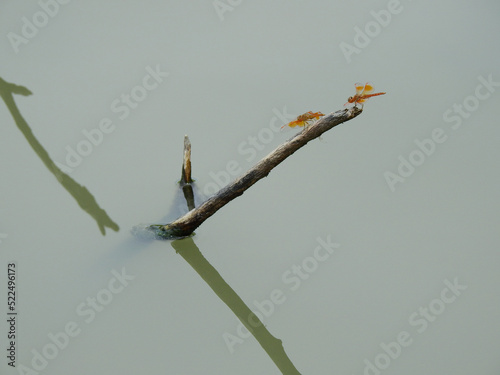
186	224
186	164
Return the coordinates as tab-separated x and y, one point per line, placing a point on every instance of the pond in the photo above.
370	250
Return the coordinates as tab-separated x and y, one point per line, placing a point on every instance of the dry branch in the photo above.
186	224
186	165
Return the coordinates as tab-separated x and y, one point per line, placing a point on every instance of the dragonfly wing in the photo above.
368	89
295	123
359	88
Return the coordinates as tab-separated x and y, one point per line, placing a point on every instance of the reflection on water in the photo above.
273	346
188	196
83	197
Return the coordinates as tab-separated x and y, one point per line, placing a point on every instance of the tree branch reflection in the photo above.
84	198
187	249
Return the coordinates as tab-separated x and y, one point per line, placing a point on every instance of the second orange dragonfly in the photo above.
363	93
304	119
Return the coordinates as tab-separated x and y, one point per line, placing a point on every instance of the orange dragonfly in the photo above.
304	119
363	93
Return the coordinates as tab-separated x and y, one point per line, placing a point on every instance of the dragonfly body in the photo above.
363	93
304	119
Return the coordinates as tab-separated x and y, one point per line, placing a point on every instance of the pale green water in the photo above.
346	272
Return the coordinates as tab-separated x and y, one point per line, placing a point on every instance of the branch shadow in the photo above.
273	346
83	197
188	196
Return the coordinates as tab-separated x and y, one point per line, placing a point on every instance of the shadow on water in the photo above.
186	247
273	346
83	197
188	196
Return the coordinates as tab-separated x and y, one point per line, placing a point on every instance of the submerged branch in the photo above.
186	224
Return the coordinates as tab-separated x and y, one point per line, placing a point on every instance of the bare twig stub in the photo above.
186	224
186	165
186	180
